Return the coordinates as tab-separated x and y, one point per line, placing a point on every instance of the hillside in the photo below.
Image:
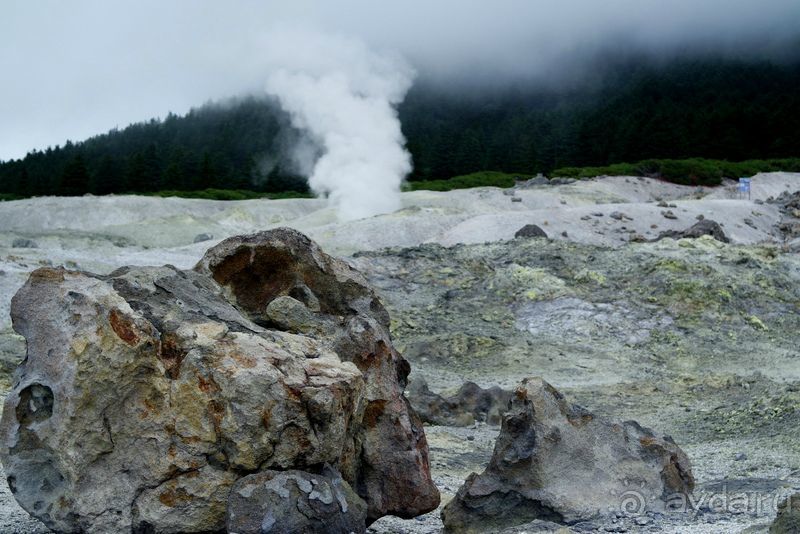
633	111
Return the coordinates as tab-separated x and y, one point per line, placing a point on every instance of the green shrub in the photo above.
690	172
476	179
693	171
230	194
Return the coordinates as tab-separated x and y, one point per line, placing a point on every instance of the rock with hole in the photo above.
147	393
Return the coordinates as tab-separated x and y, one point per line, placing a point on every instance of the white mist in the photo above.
343	96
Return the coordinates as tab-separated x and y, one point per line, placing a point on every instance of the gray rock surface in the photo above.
536	526
294	502
147	393
555	461
469	404
788	519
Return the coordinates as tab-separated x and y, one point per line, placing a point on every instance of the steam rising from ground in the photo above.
343	96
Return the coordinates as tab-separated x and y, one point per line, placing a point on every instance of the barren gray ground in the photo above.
694	338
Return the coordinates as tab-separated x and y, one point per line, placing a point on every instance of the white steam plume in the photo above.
344	97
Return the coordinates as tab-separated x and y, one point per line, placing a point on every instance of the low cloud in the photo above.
74	69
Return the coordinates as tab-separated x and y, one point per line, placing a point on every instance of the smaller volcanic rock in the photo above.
619	216
790	228
22	242
555	461
700	228
637	238
295	501
530	230
289	314
788	520
669	215
539	179
470	403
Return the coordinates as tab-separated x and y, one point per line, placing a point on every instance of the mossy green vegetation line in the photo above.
466	181
693	171
230	194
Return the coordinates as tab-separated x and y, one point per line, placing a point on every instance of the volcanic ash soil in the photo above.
695	338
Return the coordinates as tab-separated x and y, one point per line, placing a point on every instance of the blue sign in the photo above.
744	185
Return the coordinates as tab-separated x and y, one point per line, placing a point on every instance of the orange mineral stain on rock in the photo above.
123	327
174	497
373	412
243	360
647	441
207	385
171	354
48	273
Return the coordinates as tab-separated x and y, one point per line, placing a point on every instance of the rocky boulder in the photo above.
698	229
539	179
469	404
294	501
530	230
146	394
199	238
555	461
22	242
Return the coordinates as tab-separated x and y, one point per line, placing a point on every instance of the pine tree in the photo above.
135	173
108	178
25	187
75	178
207	175
152	169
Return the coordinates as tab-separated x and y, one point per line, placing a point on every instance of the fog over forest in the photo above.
76	69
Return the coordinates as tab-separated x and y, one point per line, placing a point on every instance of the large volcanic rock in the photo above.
557	462
146	394
698	229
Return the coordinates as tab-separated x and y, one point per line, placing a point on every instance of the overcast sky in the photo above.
71	69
